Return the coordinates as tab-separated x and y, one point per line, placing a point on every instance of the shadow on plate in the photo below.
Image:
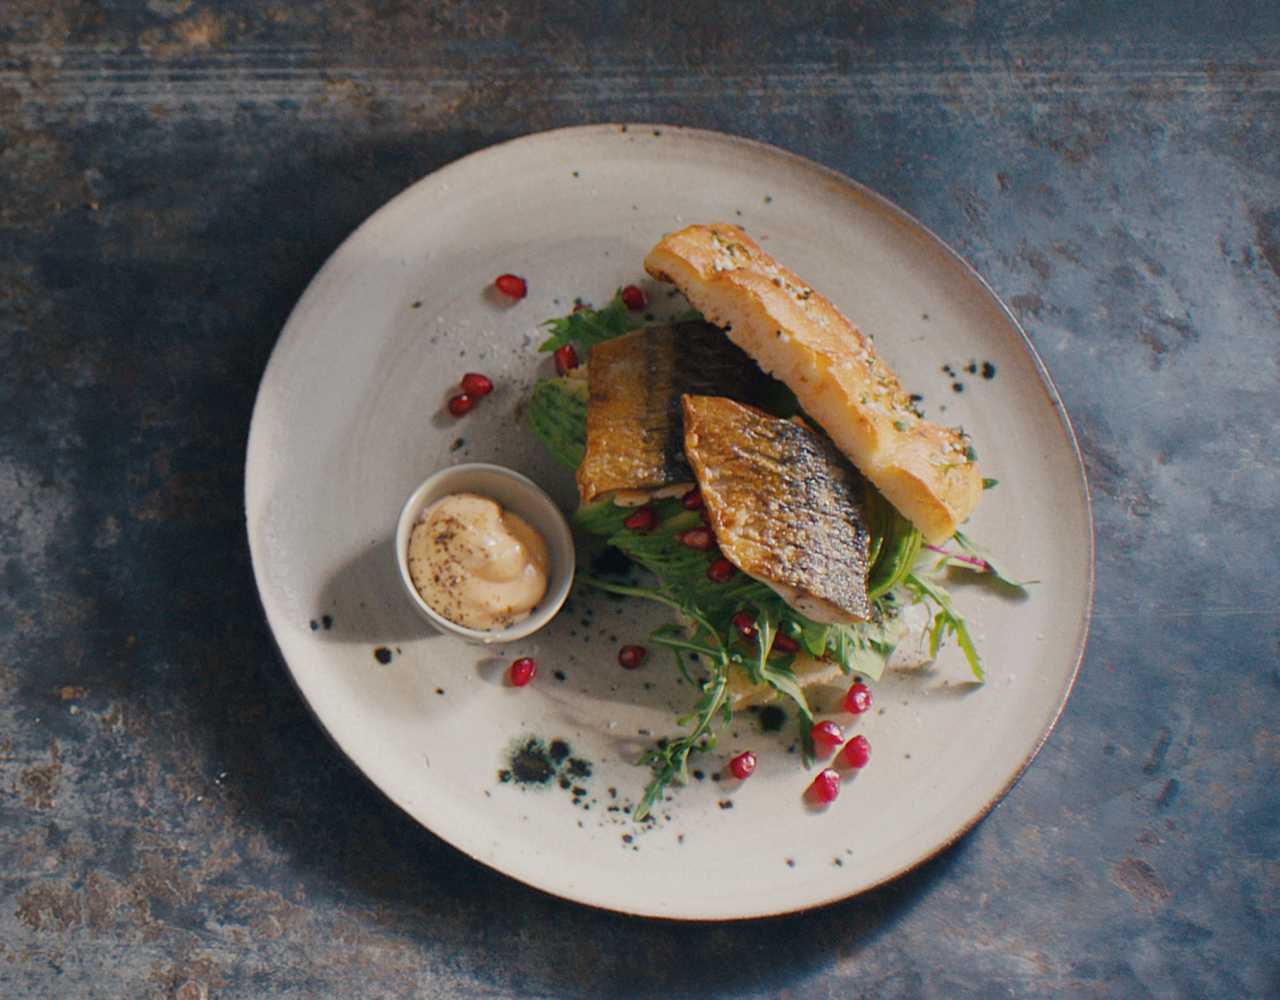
364	601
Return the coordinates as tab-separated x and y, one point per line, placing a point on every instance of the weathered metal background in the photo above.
172	173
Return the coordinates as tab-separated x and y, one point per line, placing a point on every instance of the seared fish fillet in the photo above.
635	428
786	507
928	472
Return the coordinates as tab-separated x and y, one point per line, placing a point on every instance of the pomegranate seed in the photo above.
745	623
828	734
566	359
476	385
826	786
634	297
742	765
511	286
632	656
698	538
857	752
523	670
858	700
721	570
641	519
692	500
783	643
460	405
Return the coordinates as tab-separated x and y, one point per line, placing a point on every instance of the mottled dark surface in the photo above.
174	824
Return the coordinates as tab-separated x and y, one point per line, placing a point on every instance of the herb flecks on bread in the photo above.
930	473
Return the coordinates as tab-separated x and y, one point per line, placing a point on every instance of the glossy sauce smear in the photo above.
475	564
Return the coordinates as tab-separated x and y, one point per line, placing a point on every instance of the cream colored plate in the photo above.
350	418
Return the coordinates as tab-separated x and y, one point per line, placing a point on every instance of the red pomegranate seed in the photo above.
858	700
634	297
692	500
566	359
632	656
857	752
721	570
742	765
826	786
476	385
698	538
523	670
783	643
745	623
641	519
828	734
511	286
460	405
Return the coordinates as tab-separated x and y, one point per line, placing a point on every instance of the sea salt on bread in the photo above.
927	472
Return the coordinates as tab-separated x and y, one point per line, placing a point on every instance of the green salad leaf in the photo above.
588	327
982	554
558	414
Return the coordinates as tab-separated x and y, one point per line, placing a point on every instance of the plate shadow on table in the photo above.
220	714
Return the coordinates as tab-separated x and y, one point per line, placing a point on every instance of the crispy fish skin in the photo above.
635	426
927	471
786	506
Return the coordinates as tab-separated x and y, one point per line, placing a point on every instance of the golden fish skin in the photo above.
786	506
635	426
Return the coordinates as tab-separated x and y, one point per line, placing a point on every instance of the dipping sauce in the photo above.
475	564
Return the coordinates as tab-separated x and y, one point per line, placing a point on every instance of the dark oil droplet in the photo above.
772	718
530	764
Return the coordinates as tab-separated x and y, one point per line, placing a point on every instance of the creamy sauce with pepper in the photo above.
475	564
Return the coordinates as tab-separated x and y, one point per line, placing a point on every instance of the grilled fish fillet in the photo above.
786	507
635	429
928	472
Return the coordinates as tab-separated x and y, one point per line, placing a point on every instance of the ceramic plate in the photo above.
538	782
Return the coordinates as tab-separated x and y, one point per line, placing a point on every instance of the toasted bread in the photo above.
927	472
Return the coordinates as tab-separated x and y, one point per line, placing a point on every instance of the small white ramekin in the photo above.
522	497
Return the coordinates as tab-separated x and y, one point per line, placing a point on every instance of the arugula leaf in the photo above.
973	549
947	619
588	327
670	761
